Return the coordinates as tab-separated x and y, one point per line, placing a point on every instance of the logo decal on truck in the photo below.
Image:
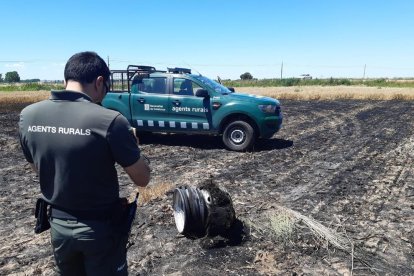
151	107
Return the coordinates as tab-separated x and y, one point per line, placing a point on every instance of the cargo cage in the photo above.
121	80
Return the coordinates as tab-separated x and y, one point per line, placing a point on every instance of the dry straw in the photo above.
22	97
321	231
331	92
291	93
153	191
281	223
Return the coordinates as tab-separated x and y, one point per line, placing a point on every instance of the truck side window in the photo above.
153	85
185	87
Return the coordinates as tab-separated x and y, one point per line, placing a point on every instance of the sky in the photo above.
225	38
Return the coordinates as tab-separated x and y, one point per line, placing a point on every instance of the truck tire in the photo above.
239	136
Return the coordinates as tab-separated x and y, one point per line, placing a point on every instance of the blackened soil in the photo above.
347	164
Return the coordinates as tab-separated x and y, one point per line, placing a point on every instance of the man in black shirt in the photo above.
73	143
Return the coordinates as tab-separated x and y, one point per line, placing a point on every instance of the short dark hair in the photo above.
85	67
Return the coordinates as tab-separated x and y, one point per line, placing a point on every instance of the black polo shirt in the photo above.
74	144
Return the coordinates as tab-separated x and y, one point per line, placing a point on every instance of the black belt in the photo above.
82	214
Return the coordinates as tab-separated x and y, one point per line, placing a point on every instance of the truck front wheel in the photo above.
239	136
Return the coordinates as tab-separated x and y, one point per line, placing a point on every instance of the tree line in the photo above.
247	79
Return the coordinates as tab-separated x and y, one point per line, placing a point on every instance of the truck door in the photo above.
149	104
188	112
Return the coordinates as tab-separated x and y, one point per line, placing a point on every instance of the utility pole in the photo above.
281	71
108	61
365	67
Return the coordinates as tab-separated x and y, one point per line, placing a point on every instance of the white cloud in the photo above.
19	65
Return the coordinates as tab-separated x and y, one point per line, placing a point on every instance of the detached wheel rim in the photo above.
179	218
237	136
179	210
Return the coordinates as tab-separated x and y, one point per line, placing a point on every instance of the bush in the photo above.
290	82
246	76
31	87
322	82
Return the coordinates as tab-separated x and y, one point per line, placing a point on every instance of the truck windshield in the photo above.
213	85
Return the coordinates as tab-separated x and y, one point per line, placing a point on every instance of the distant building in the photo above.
305	77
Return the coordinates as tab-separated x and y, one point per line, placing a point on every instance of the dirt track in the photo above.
347	164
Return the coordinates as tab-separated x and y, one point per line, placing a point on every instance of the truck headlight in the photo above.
267	108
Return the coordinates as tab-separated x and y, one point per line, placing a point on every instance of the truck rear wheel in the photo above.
239	136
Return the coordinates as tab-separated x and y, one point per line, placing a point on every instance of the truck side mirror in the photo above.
202	93
231	89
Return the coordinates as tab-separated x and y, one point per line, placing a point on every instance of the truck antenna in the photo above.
192	68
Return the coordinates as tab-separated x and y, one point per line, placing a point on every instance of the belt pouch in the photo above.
42	218
123	222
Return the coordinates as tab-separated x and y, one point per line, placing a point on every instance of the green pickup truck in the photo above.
177	101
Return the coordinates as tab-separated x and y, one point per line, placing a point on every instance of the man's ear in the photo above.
99	82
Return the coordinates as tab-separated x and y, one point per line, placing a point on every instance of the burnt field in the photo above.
348	165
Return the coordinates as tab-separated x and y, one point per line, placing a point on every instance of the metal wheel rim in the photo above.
179	218
237	136
179	212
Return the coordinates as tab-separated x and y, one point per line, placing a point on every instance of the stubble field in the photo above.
330	194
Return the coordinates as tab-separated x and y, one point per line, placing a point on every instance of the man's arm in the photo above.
139	172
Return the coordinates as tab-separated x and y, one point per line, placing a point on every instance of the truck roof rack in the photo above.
140	68
178	70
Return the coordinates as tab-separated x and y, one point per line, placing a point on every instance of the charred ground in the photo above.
347	164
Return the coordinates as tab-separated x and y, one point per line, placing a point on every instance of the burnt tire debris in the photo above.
204	211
